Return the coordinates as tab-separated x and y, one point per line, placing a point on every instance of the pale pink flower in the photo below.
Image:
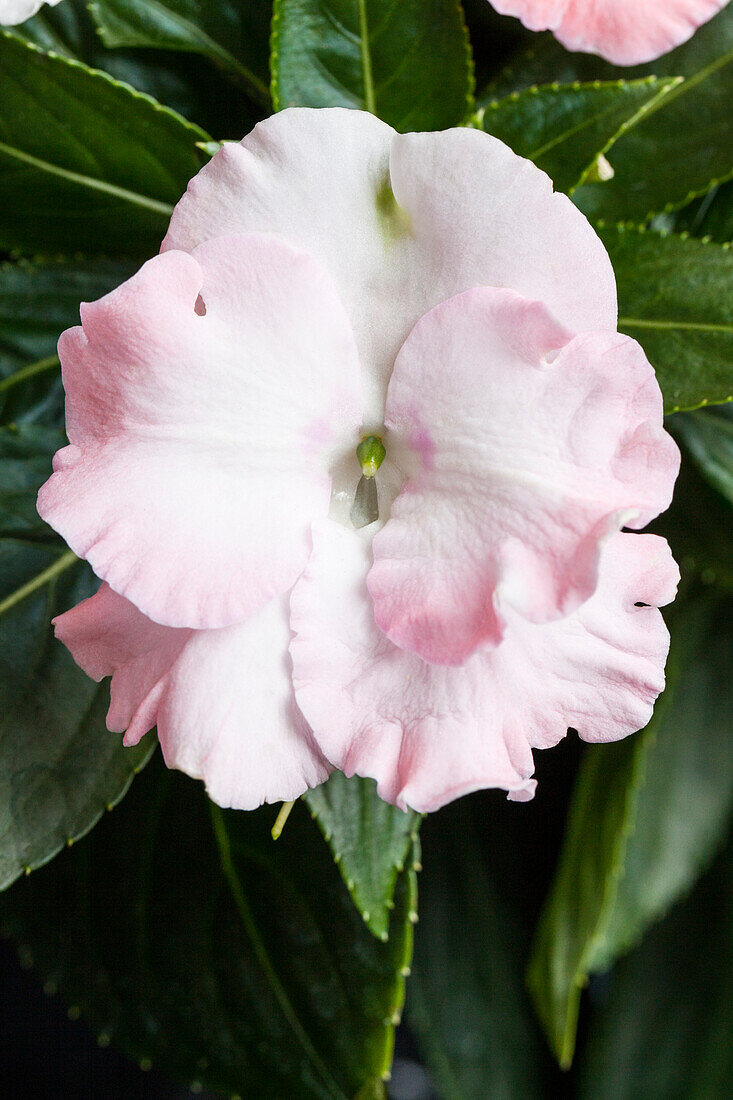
625	32
325	279
13	12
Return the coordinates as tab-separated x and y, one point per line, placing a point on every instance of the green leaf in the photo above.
674	298
708	435
565	129
647	815
37	302
698	526
466	1001
184	82
227	960
230	33
370	841
710	217
25	460
86	163
59	766
408	63
663	1026
683	147
680	149
543	59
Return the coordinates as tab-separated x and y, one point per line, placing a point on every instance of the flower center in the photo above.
370	454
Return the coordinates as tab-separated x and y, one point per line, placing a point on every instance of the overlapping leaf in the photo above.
662	1027
222	957
370	841
466	1000
408	63
648	814
37	302
59	766
708	435
232	34
564	129
86	164
683	145
674	298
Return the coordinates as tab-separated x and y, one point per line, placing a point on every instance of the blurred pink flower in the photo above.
625	32
324	280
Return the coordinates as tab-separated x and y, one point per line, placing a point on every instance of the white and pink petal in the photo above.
625	32
532	448
401	222
430	733
207	399
222	699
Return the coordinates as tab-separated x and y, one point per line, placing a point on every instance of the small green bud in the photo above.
371	454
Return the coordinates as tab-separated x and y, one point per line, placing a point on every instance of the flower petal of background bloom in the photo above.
206	399
13	12
429	733
625	32
222	699
534	447
401	222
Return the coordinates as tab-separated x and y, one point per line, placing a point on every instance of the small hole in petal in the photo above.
200	307
640	604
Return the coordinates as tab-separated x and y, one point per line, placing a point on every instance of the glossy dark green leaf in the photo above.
699	528
674	298
231	33
370	841
25	457
65	29
408	63
59	766
467	1005
647	815
661	1028
185	82
711	216
37	302
708	436
541	59
86	163
564	129
683	147
680	149
196	943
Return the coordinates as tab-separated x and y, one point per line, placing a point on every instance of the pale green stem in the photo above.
281	818
370	101
59	566
51	362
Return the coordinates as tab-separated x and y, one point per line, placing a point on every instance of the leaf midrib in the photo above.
642	110
245	914
370	101
89	182
210	46
62	563
691	326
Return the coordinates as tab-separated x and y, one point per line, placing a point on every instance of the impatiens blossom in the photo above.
13	12
330	289
625	32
